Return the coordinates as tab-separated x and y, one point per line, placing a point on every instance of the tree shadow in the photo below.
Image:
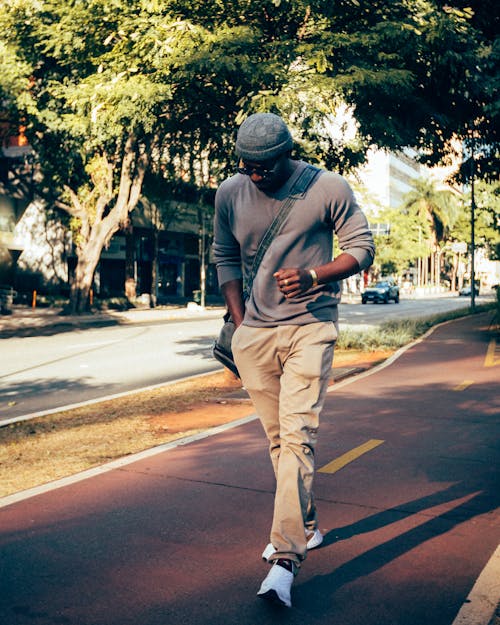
15	393
60	327
199	346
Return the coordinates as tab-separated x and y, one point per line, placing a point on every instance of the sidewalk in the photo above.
26	321
174	535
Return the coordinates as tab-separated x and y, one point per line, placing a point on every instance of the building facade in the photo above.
389	176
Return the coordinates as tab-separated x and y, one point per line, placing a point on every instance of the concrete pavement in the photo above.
407	493
26	321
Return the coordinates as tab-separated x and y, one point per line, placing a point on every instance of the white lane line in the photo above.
92	344
484	597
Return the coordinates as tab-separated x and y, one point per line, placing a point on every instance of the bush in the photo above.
113	303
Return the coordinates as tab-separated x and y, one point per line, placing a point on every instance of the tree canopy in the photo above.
109	89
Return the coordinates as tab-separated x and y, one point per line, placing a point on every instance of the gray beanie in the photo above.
263	137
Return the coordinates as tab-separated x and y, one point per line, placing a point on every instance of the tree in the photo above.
487	218
406	242
415	73
90	121
108	88
439	208
112	88
420	74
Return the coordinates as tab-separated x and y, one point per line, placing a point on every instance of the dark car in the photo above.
381	291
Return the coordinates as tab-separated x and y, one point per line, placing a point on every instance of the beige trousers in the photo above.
286	370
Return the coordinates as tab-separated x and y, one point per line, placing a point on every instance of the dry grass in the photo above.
40	450
48	448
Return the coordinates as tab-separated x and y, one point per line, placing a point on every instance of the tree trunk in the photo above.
88	257
154	268
101	220
438	267
130	270
454	272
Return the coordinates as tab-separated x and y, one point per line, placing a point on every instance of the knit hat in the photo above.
263	137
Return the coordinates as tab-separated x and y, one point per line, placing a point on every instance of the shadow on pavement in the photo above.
318	592
56	328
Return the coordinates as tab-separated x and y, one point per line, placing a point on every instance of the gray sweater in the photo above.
242	215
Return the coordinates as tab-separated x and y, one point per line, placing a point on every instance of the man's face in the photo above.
266	175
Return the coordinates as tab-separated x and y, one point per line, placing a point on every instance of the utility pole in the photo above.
472	233
202	261
155	225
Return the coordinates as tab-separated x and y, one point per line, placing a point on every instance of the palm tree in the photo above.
438	208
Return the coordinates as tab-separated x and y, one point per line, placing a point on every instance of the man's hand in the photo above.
293	282
233	295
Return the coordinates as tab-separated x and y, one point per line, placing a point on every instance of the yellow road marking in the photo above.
465	384
341	461
491	360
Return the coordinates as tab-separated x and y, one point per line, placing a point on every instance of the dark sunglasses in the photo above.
260	170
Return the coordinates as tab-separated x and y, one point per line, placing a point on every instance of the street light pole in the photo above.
472	234
202	263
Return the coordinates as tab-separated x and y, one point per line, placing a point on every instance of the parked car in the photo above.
381	291
466	291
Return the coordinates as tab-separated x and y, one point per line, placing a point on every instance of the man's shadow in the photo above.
316	596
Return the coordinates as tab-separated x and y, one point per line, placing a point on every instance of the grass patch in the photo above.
47	448
396	334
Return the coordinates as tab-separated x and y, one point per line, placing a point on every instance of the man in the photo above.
286	328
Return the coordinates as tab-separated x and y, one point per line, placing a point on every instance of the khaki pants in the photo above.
286	370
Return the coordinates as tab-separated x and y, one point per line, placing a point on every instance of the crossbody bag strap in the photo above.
298	190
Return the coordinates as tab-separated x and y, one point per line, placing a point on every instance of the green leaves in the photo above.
414	72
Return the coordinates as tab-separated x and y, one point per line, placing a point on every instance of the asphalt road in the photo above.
65	366
407	495
40	373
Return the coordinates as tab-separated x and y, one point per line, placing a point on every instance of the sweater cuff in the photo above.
227	273
364	258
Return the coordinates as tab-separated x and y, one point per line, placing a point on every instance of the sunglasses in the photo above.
260	170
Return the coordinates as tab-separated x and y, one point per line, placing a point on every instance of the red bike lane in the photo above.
407	495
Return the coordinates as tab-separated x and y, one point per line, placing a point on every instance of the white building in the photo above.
387	177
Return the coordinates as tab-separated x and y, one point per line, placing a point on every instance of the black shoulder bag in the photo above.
222	347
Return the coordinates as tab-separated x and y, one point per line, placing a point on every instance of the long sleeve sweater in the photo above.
242	215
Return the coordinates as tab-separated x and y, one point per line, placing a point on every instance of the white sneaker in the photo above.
277	586
314	539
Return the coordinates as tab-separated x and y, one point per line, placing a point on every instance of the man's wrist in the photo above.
314	277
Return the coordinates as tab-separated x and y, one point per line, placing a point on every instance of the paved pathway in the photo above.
407	493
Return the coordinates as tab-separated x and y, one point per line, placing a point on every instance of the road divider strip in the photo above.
388	362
